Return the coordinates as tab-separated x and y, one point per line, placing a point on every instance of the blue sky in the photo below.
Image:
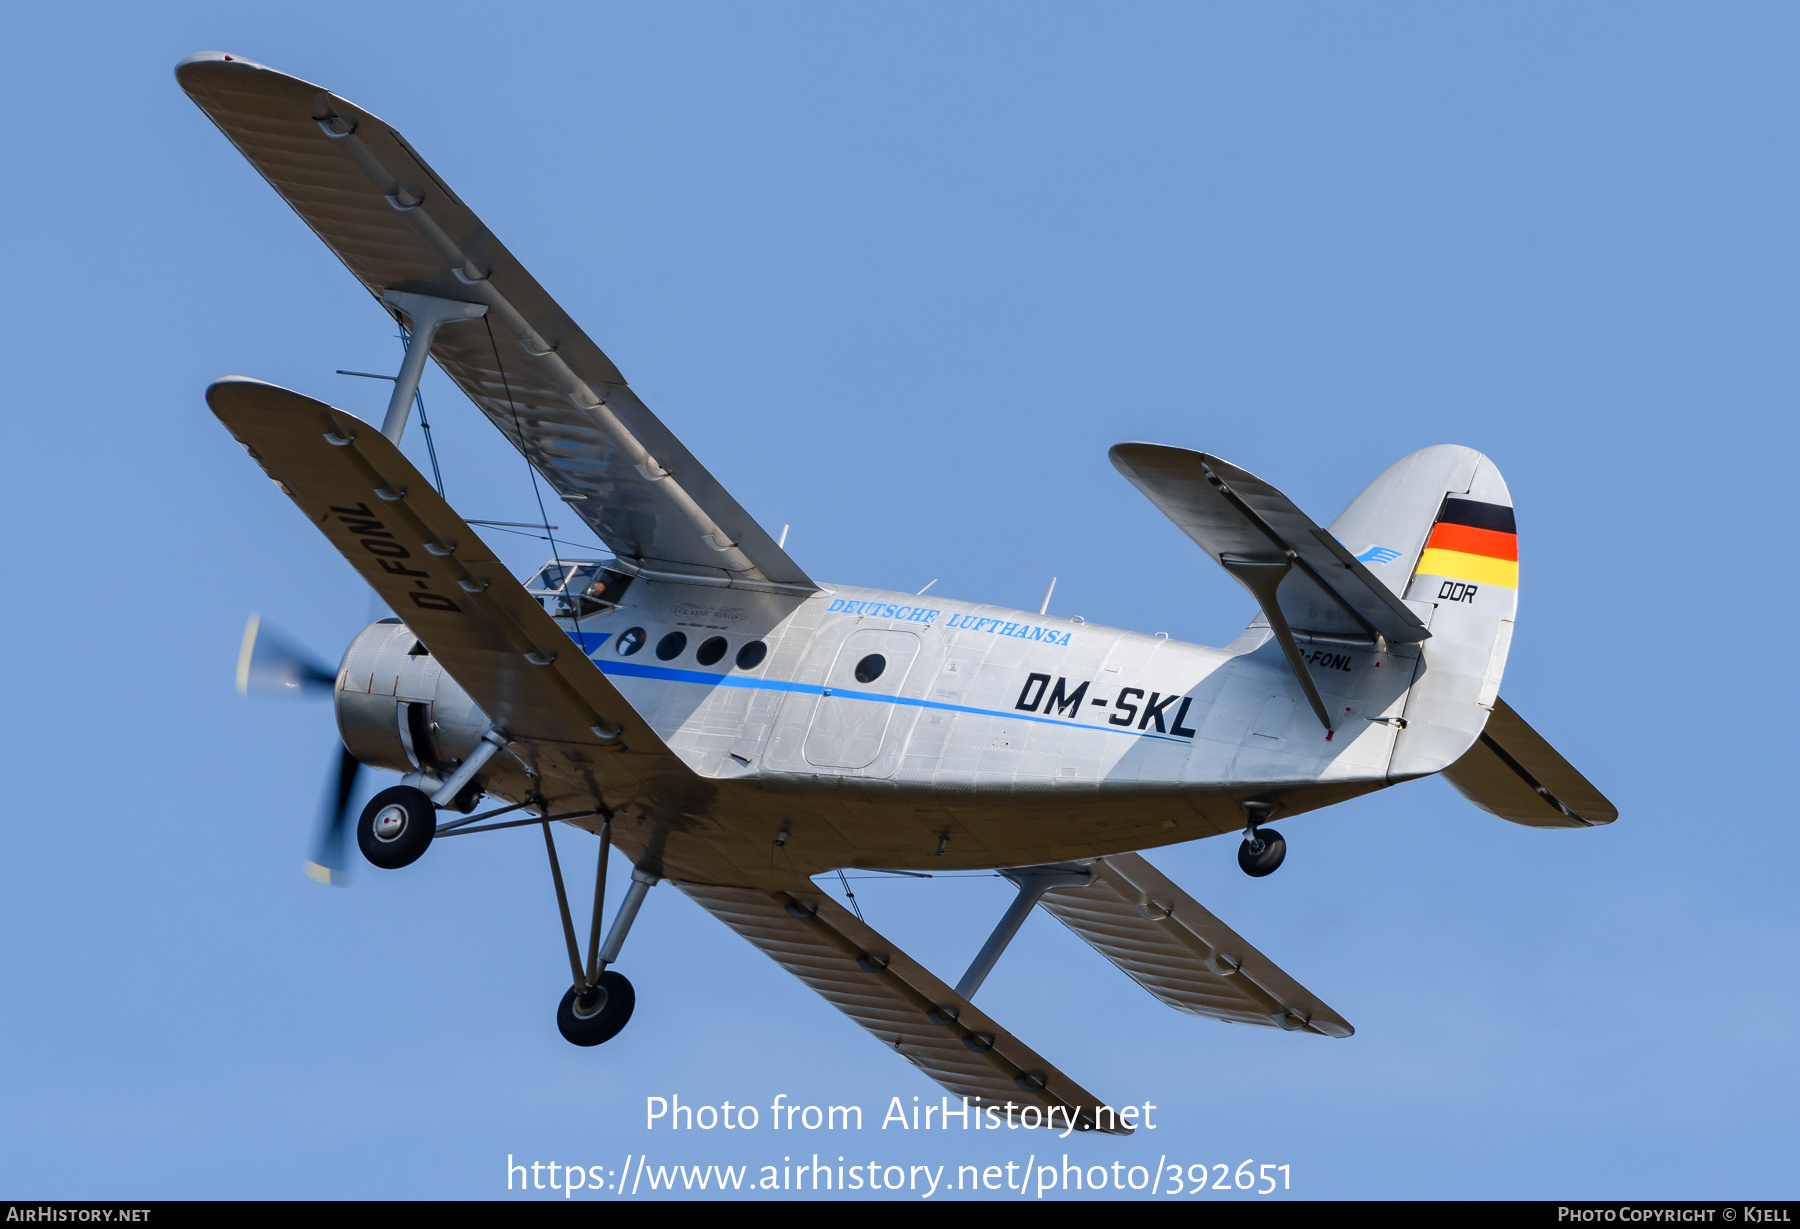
899	275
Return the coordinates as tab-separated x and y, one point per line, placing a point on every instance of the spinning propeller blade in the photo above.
270	662
328	865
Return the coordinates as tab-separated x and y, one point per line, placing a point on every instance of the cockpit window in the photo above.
550	579
607	586
574	590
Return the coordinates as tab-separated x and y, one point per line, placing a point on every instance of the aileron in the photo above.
532	371
1168	943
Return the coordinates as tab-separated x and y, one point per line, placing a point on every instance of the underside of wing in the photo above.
1513	773
1164	940
547	387
1308	585
899	1001
429	565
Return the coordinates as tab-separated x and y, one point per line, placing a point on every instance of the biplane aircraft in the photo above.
735	727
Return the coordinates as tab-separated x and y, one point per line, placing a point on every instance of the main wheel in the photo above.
396	827
600	1014
1261	854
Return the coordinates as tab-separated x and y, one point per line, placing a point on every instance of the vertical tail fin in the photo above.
1437	528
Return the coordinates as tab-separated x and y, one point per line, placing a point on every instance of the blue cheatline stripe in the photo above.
668	674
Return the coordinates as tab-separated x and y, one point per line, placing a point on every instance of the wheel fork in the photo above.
1256	813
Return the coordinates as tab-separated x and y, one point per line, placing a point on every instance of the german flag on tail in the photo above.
1475	542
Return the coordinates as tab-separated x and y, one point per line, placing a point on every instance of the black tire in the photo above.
1258	862
391	847
591	1023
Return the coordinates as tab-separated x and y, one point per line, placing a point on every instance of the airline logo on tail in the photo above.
1378	554
1475	542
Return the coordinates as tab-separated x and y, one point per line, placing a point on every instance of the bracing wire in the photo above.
527	534
519	431
424	422
852	896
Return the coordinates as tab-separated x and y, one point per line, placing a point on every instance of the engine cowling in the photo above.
398	709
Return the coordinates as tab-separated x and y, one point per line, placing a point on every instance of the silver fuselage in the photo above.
980	699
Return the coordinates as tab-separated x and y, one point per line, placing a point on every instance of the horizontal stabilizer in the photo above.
899	1001
354	484
1513	773
1308	585
1234	515
1166	942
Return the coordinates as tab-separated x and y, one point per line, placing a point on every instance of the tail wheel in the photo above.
1262	851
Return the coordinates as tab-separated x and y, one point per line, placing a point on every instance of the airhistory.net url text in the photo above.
640	1176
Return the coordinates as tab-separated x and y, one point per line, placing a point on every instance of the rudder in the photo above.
1437	528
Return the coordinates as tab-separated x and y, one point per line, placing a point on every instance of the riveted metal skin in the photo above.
385	672
854	727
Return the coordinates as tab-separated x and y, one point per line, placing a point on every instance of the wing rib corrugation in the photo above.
1164	940
487	636
547	387
892	1002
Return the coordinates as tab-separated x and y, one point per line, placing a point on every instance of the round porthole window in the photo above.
629	642
750	656
670	646
711	651
869	668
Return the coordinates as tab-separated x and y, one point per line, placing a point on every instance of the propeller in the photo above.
328	865
269	662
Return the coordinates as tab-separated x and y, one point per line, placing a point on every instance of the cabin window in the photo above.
711	651
670	646
869	668
750	656
630	641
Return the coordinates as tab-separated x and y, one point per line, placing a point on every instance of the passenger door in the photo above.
854	713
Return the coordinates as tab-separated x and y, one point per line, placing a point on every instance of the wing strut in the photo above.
1033	882
428	315
534	373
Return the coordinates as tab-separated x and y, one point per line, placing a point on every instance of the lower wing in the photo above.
907	1009
1166	942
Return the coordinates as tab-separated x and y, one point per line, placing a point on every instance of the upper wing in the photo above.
1237	517
1171	946
1513	773
532	371
895	998
427	564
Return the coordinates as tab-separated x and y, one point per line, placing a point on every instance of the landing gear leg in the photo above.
600	1002
1263	849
